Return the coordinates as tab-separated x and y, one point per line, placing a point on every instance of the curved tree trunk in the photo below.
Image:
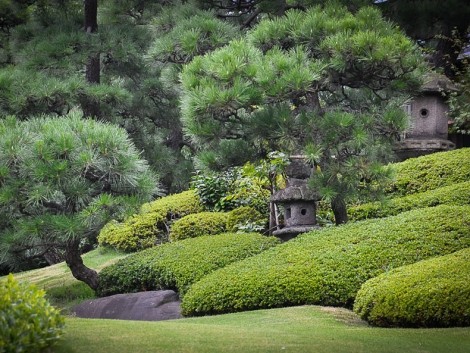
338	205
74	261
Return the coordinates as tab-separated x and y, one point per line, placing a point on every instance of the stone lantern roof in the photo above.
296	190
437	83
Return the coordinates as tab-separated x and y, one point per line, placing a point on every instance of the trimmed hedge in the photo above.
198	224
177	265
28	323
245	216
327	267
457	194
429	293
151	226
431	172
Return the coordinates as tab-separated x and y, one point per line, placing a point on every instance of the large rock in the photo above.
146	306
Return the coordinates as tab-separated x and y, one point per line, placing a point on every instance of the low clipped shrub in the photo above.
457	194
431	172
28	323
175	206
198	224
243	217
177	265
328	266
151	226
429	293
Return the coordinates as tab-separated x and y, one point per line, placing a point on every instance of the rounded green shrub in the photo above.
244	217
28	323
198	224
328	266
177	265
429	293
175	206
457	194
151	226
431	172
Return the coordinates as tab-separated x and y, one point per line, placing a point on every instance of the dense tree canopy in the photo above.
325	80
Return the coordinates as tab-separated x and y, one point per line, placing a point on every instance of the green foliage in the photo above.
151	226
178	265
323	79
429	293
225	191
328	267
431	172
245	217
187	32
62	179
28	323
457	194
198	224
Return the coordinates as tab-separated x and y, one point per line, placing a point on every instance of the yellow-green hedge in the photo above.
178	265
456	194
151	226
198	224
431	172
429	293
328	266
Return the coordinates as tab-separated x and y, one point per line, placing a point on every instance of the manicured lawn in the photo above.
59	275
299	329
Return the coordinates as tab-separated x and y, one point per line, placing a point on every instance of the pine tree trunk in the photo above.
79	270
338	205
92	69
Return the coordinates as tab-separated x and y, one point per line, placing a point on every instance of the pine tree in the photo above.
323	80
61	180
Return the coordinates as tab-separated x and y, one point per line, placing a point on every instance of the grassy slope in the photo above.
59	275
301	329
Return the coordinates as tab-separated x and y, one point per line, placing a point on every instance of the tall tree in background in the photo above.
322	81
53	66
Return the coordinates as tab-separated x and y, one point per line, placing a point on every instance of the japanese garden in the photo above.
234	176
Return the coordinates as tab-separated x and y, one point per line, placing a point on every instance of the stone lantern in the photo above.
429	121
297	200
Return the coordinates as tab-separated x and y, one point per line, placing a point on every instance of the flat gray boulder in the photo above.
146	306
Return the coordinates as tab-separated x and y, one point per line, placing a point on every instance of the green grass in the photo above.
62	289
301	329
59	275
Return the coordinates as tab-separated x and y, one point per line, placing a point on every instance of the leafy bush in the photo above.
431	172
177	265
457	194
243	217
429	293
151	226
198	224
28	323
328	266
231	189
175	206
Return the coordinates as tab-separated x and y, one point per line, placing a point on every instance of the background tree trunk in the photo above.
338	205
92	70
